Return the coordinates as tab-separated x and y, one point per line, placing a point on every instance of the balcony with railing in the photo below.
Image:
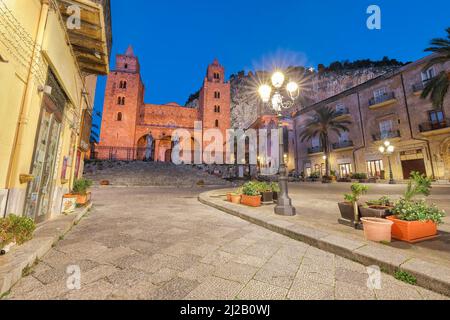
342	113
315	150
343	145
432	128
382	101
392	135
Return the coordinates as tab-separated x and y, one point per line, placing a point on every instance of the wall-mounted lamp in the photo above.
45	89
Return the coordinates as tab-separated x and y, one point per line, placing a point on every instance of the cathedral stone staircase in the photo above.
119	173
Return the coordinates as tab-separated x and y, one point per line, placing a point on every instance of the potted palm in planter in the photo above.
380	208
15	230
350	208
81	190
251	195
415	220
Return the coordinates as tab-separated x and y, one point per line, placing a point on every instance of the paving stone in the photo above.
310	290
175	289
391	289
347	291
322	276
218	257
250	260
199	272
99	290
214	288
351	277
277	277
236	272
163	275
256	290
381	256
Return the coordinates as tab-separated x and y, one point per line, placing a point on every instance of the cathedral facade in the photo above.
134	130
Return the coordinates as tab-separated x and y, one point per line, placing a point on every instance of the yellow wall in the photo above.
17	158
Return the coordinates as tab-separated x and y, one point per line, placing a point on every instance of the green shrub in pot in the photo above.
16	229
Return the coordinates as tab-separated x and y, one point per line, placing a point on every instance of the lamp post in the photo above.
284	206
388	149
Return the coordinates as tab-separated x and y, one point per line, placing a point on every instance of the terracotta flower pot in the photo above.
378	230
104	183
229	197
83	199
236	198
412	231
251	201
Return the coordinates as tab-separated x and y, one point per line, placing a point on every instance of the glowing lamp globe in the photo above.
265	92
292	87
278	79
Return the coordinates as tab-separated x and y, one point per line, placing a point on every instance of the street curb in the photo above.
45	237
429	275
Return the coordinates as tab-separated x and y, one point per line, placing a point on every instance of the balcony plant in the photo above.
251	195
380	208
415	220
81	190
350	208
15	230
360	177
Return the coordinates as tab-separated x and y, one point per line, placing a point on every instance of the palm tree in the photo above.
437	87
321	125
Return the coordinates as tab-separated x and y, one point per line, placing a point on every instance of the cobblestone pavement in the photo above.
161	243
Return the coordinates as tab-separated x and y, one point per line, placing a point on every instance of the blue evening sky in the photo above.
176	39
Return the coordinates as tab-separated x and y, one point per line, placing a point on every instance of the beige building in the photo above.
51	52
388	107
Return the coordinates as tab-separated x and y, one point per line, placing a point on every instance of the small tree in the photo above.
357	191
321	125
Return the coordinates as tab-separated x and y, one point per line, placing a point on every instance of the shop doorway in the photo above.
410	166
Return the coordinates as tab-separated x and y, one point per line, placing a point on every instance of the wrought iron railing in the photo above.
315	150
380	99
431	125
342	145
386	135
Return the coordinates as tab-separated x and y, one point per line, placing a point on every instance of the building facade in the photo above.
48	72
390	108
134	130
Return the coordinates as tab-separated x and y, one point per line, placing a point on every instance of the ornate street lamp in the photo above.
388	149
284	206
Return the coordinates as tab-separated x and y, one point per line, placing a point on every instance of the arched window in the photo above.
126	65
217	123
123	101
119	116
119	100
218	109
217	95
216	75
124	86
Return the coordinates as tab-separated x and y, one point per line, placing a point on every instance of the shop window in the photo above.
375	168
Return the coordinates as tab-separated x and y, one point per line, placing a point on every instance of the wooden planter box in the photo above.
251	201
375	212
267	197
413	231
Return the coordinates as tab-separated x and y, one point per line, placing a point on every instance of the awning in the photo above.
92	41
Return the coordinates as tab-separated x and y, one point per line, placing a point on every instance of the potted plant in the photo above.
80	189
69	203
315	176
15	230
377	229
415	220
380	208
266	192
235	198
360	177
350	208
333	176
251	195
276	190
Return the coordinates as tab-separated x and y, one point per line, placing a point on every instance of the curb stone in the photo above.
45	236
429	275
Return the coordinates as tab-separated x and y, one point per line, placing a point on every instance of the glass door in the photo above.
41	189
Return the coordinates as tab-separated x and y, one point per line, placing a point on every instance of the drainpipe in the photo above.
362	132
296	148
28	96
411	130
